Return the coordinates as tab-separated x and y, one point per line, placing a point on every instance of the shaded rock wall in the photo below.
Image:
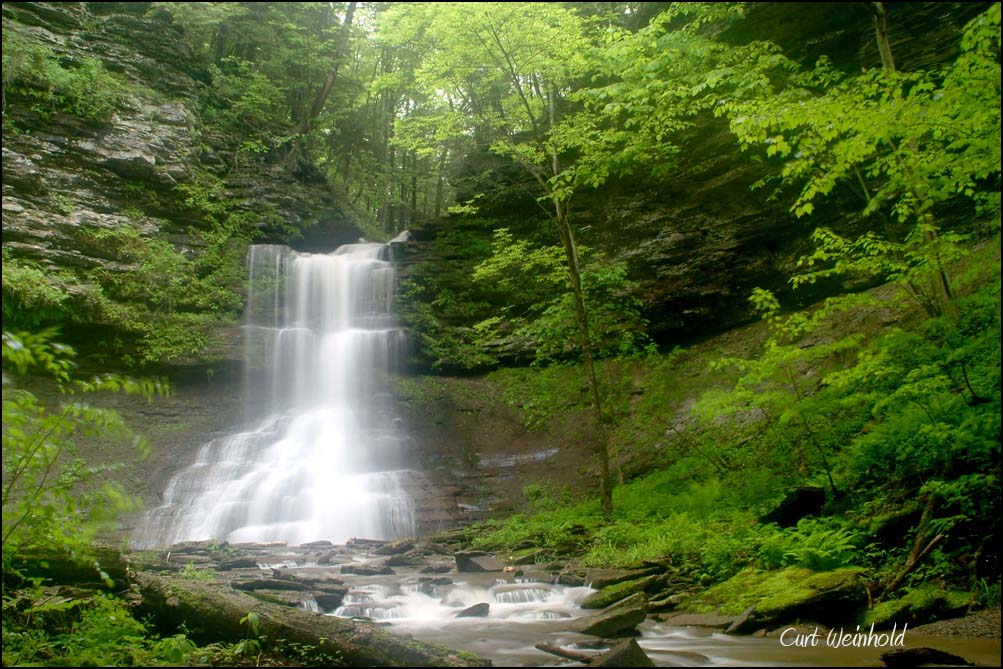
65	177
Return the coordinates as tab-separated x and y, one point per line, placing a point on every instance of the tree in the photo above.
909	142
509	67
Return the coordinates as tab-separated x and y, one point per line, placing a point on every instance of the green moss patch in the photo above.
788	593
919	605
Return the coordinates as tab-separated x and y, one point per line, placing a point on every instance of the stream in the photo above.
527	609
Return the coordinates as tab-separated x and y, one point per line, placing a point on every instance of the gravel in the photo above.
984	623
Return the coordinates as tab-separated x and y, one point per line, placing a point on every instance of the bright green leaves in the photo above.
52	498
533	285
904	142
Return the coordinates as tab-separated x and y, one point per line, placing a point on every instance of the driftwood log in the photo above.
214	611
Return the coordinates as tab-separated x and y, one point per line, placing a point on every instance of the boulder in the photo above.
615	620
395	547
479	610
361	570
794	593
403	561
624	654
612	594
330	599
476	561
600	578
922	656
238	563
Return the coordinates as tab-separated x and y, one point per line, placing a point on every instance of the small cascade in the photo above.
426	603
325	458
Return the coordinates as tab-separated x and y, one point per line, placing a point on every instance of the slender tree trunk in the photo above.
941	282
440	177
318	104
584	337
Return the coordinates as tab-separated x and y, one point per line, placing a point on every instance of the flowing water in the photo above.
324	460
524	611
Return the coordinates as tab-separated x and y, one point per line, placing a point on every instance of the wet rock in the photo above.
268	584
611	594
327	558
395	547
697	619
479	610
442	580
194	547
323	543
476	561
665	603
600	578
360	570
436	569
740	621
571	580
624	654
283	597
922	656
331	600
190	559
238	563
403	561
615	620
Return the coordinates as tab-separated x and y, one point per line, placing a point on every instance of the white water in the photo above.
326	459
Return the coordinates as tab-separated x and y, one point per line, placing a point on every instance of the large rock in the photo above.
602	578
473	561
922	657
795	593
615	620
612	594
479	610
624	654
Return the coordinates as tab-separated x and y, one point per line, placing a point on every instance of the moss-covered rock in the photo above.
919	605
612	594
789	594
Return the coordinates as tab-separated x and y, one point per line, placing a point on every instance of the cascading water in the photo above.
327	462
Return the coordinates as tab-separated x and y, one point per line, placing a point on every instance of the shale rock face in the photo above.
67	179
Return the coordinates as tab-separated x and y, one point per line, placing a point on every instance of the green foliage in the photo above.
48	500
534	286
909	142
193	573
31	69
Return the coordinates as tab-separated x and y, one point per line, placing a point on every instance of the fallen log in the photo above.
559	651
213	612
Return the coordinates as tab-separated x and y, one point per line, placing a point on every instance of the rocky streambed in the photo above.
428	602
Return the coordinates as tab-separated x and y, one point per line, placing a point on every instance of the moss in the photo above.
614	593
774	592
919	605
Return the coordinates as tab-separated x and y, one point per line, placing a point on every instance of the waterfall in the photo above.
327	460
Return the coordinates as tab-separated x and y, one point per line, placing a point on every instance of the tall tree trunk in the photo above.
585	341
584	337
318	104
440	177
